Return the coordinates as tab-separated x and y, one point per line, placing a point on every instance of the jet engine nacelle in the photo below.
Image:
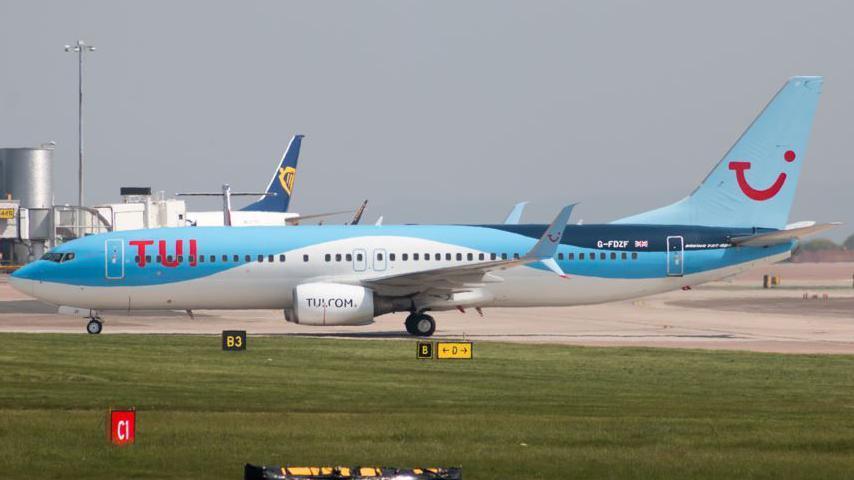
328	304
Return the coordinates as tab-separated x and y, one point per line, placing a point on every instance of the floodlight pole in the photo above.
80	48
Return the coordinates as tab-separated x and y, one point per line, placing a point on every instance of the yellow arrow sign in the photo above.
454	350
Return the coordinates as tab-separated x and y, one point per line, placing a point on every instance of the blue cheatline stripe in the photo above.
88	267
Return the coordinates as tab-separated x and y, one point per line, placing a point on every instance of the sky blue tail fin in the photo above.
754	184
282	183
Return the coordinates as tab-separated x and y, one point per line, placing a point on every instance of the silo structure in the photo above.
26	175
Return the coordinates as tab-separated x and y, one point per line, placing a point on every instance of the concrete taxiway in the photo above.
735	315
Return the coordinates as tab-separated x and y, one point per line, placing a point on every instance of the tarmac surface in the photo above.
812	311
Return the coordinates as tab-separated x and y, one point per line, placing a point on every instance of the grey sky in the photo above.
435	111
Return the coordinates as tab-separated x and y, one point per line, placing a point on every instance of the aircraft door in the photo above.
380	260
114	259
360	260
675	256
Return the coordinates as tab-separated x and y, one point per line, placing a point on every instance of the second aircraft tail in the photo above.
282	183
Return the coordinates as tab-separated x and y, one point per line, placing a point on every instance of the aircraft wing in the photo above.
462	278
299	218
791	232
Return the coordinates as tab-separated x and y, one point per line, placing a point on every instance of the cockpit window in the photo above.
52	257
58	257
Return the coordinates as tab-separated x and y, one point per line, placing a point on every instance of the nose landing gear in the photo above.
94	326
420	324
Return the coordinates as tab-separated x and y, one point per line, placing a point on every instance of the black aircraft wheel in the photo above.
94	326
410	323
424	325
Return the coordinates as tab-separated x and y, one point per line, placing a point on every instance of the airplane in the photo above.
328	275
271	207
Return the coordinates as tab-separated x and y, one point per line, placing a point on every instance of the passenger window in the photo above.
492	256
169	258
426	256
337	257
225	259
213	259
236	258
469	256
247	258
180	258
305	258
581	256
516	256
570	256
448	257
560	256
404	256
504	256
201	259
481	257
328	257
414	256
459	257
358	257
282	258
623	256
591	256
613	255
634	255
379	256
349	257
602	256
270	258
391	256
148	259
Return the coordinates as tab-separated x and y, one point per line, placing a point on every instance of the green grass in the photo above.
515	412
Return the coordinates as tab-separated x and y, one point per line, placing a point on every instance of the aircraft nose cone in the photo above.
19	281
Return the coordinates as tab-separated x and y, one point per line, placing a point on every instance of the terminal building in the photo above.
32	223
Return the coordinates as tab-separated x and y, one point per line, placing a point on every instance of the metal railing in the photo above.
71	221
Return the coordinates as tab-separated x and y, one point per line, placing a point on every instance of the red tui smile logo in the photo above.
760	195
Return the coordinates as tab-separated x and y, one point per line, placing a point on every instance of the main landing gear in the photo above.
420	324
94	326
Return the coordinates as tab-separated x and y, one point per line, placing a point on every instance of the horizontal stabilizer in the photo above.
782	236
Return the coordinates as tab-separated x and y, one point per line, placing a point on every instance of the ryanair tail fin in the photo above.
282	183
754	184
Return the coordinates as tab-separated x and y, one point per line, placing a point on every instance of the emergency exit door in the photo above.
114	259
360	260
675	256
